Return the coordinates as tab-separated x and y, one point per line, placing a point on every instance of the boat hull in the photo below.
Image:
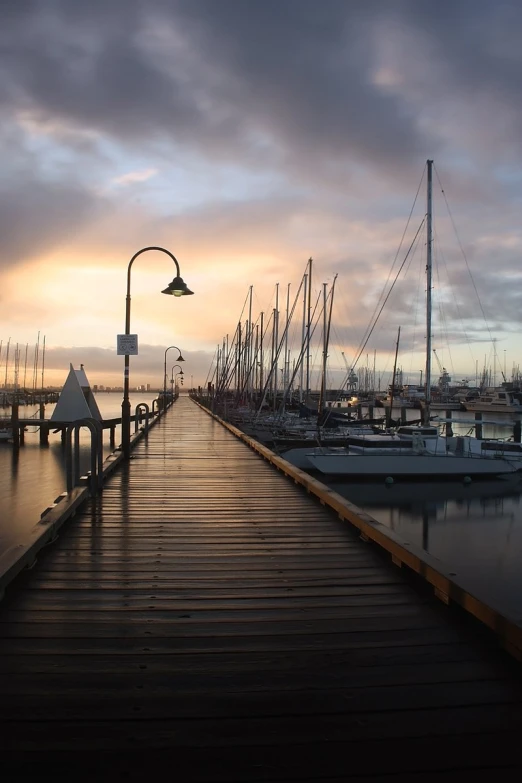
410	466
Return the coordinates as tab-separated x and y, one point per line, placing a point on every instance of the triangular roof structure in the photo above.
76	400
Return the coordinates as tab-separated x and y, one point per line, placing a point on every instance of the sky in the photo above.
245	137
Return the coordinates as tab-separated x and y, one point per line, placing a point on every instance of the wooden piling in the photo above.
449	426
478	425
44	434
15	425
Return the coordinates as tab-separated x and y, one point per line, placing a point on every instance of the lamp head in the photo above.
178	287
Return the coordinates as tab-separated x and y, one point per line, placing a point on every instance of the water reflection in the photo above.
32	477
475	530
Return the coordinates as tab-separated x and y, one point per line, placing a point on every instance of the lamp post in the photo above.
176	288
172	377
179	359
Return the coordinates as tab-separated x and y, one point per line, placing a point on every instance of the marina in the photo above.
31	479
240	620
261	392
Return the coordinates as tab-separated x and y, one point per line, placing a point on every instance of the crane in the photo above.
352	377
445	378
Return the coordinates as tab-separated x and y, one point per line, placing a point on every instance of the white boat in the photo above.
497	401
416	452
297	455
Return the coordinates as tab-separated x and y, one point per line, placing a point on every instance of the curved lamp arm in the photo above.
180	357
176	288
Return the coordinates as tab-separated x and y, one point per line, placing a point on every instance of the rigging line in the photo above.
211	368
418	299
300	357
414	240
304	346
281	344
398	251
442	313
455	300
215	353
463	253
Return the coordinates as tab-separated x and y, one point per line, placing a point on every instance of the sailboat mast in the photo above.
43	362
429	241
7	363
275	379
286	360
303	339
248	364
322	393
308	331
392	391
261	357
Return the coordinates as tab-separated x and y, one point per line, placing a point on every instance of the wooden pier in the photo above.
206	619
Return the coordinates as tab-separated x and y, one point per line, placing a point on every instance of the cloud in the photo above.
104	367
256	134
135	176
36	215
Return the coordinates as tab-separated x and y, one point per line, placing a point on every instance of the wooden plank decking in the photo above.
207	615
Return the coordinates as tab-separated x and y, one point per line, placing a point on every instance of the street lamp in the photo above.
172	377
176	288
179	359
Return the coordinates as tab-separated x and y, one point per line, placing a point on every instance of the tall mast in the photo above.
303	339
322	392
308	330
35	365
7	363
25	365
276	347
429	241
248	362
261	357
43	362
286	361
392	391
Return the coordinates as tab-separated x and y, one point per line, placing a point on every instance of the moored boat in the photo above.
496	400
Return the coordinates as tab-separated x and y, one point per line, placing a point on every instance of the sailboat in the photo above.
413	451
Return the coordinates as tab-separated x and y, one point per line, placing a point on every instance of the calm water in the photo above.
29	484
475	530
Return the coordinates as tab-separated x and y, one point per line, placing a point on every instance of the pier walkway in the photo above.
205	619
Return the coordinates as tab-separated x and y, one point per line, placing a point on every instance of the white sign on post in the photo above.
127	345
